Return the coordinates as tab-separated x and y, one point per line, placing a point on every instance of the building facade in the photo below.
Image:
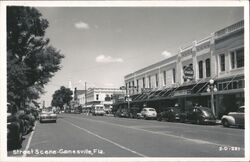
219	56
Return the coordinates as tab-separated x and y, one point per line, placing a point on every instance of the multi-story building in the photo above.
184	77
103	96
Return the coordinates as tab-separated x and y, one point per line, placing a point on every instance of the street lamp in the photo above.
212	88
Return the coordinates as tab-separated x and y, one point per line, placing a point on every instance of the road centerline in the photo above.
198	141
105	139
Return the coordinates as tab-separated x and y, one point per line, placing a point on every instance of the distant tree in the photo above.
61	97
31	61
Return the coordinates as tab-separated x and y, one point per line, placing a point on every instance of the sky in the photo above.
103	44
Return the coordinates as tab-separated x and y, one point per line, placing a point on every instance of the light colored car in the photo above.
234	118
149	113
98	110
47	115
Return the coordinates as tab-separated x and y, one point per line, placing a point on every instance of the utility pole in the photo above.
85	93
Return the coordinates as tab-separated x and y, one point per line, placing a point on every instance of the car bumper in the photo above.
209	121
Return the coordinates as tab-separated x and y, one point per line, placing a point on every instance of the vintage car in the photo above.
198	115
234	118
169	114
97	110
149	113
47	115
122	113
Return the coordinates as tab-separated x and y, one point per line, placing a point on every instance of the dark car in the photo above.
122	112
133	112
198	115
169	114
14	129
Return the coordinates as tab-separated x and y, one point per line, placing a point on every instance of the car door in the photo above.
143	112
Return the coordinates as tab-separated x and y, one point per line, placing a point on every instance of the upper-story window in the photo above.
237	58
97	97
149	81
143	82
208	68
137	85
174	79
184	68
164	78
200	69
156	80
222	62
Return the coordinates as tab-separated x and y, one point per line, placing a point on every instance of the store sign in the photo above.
188	73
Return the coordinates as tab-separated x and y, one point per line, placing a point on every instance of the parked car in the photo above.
14	128
236	118
198	115
47	115
169	114
133	112
149	113
122	113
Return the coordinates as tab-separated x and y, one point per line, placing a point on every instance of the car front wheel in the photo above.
225	123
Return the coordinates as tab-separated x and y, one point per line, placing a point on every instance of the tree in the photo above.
31	60
61	97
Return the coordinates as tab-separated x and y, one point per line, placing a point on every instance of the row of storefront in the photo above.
184	78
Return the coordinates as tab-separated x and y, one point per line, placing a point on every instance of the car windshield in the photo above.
151	109
206	111
46	111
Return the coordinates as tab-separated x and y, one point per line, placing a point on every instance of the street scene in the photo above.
107	136
127	82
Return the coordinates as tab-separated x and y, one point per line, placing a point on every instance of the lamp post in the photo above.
212	88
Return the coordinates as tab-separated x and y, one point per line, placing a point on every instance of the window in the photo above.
164	78
97	97
237	58
184	68
143	82
200	69
208	71
149	82
156	80
222	62
137	85
174	80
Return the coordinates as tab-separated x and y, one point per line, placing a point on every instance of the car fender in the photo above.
230	119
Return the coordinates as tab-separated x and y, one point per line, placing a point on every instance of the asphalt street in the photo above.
78	135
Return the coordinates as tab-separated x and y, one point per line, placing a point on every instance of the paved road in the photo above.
76	135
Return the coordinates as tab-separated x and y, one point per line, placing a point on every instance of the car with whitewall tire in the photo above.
236	118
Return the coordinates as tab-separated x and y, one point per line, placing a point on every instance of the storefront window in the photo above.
241	84
222	62
200	69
